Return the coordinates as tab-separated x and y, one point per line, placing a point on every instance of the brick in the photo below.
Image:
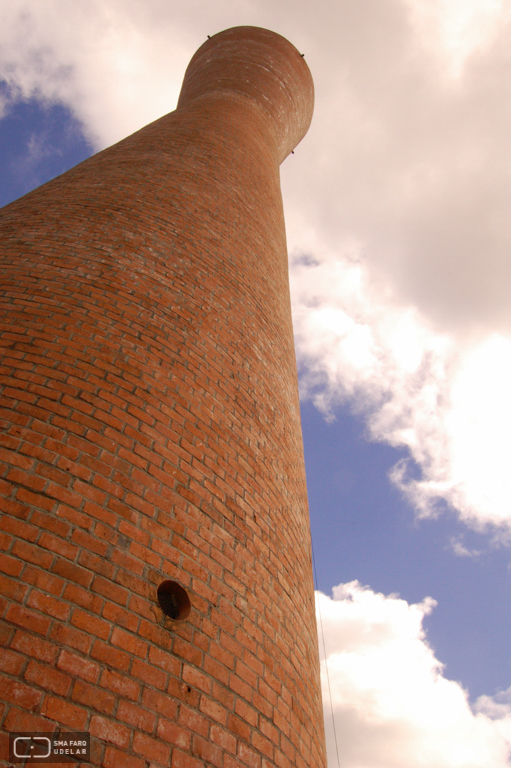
49	605
164	660
48	678
191	719
157	634
237	685
82	597
221	736
149	674
212	709
36	499
263	705
129	643
248	756
43	580
91	543
117	759
12	663
159	703
197	678
183	760
76	518
50	523
91	624
21	694
32	554
282	761
93	697
223	696
55	544
262	745
216	670
99	513
97	564
109	730
239	727
269	730
72	572
173	733
28	619
187	651
136	716
65	635
209	752
21	720
35	646
10	457
6	633
110	590
64	494
111	656
124	618
10	565
150	748
120	684
222	655
78	666
10	588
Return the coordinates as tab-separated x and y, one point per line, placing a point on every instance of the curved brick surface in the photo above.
151	430
263	66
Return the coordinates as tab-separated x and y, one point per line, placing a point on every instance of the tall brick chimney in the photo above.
157	586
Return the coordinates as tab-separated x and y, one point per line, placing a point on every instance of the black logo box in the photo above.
35	748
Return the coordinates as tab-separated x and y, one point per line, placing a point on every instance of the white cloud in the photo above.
118	64
405	314
392	706
460	549
454	29
444	400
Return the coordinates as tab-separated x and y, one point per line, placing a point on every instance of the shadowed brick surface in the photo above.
151	430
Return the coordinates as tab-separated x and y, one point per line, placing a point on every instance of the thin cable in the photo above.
324	653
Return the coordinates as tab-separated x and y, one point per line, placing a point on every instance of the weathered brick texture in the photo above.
151	431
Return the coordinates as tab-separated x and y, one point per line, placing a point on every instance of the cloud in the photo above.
118	64
454	29
459	548
413	165
403	312
399	196
445	400
392	706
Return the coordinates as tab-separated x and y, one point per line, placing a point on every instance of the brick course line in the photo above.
150	430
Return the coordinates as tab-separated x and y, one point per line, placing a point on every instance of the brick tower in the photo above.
157	586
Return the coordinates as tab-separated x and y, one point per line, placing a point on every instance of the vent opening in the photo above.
174	600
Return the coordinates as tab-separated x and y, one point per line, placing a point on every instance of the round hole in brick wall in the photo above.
174	600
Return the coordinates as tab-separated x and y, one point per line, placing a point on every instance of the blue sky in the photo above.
398	227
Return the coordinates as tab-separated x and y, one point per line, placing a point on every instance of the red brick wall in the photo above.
151	431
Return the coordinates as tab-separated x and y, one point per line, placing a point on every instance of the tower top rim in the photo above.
259	64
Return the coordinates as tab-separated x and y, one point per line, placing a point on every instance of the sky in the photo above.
399	240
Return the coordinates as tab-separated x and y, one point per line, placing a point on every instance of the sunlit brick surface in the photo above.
151	431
